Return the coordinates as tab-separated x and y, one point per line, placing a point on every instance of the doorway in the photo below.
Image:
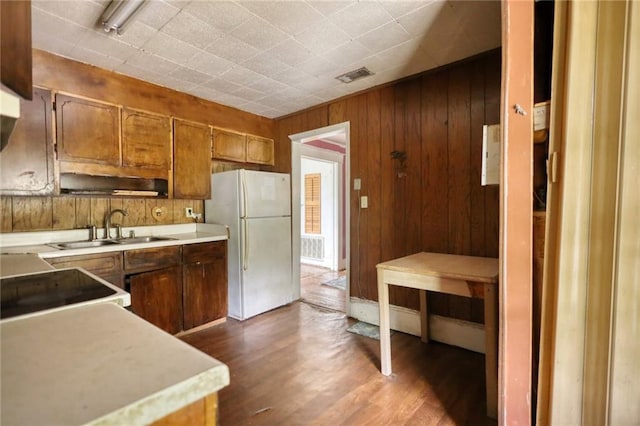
320	162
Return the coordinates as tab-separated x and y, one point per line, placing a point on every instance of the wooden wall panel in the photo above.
56	213
436	203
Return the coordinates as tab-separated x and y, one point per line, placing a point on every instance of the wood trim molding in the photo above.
463	334
516	188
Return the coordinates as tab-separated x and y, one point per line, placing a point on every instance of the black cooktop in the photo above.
32	293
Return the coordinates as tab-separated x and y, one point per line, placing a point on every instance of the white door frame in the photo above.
297	140
335	159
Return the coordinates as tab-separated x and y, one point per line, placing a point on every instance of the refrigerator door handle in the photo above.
244	196
245	245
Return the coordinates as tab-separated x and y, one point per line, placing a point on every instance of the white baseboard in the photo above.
464	334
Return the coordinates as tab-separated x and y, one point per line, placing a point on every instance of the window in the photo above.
312	204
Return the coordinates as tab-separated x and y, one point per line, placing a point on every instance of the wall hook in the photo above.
519	110
401	156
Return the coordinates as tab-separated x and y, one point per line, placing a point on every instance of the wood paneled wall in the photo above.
435	203
19	214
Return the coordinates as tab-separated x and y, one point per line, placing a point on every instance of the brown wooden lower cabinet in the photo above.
156	296
175	288
203	412
204	278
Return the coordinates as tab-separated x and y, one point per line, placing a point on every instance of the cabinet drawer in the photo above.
107	266
203	252
95	263
151	258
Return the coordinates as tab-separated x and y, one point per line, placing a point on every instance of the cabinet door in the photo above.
260	150
26	163
205	291
229	145
15	47
146	140
192	160
88	131
157	297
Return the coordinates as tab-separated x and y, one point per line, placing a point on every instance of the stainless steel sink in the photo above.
82	244
135	240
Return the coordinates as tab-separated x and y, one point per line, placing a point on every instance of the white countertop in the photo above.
36	242
18	264
99	365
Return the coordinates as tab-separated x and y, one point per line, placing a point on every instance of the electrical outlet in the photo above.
188	212
364	202
357	184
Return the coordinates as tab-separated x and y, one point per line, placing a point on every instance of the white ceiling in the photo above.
269	58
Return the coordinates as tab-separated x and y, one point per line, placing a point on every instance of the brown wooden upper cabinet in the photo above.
191	160
88	131
242	148
146	140
260	150
228	145
26	163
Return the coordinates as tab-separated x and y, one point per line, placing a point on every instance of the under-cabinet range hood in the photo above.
9	114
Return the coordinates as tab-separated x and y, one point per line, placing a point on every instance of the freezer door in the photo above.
265	194
266	264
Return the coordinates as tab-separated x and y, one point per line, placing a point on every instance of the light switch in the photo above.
357	184
364	202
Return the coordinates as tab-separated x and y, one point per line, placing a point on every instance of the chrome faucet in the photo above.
107	223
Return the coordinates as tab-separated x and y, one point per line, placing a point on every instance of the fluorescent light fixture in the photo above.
354	75
119	14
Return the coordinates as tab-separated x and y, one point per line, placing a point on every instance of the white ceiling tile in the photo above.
209	64
421	20
274	100
290	52
222	86
106	44
86	14
408	53
248	94
361	17
291	17
482	23
268	85
150	61
156	13
259	33
257	108
187	28
320	38
43	25
231	100
347	53
241	75
314	84
398	8
318	66
137	34
170	48
52	44
190	76
265	64
232	49
329	7
224	15
384	37
292	76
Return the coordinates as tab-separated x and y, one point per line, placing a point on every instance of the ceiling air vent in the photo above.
350	76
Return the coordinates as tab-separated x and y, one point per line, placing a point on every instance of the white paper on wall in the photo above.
490	154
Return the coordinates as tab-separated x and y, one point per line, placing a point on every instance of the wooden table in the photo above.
468	276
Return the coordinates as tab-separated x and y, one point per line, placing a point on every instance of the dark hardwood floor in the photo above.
297	365
313	291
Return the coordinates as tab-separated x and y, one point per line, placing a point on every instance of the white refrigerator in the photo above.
256	206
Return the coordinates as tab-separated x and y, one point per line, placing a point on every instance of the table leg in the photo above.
491	348
424	317
385	338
